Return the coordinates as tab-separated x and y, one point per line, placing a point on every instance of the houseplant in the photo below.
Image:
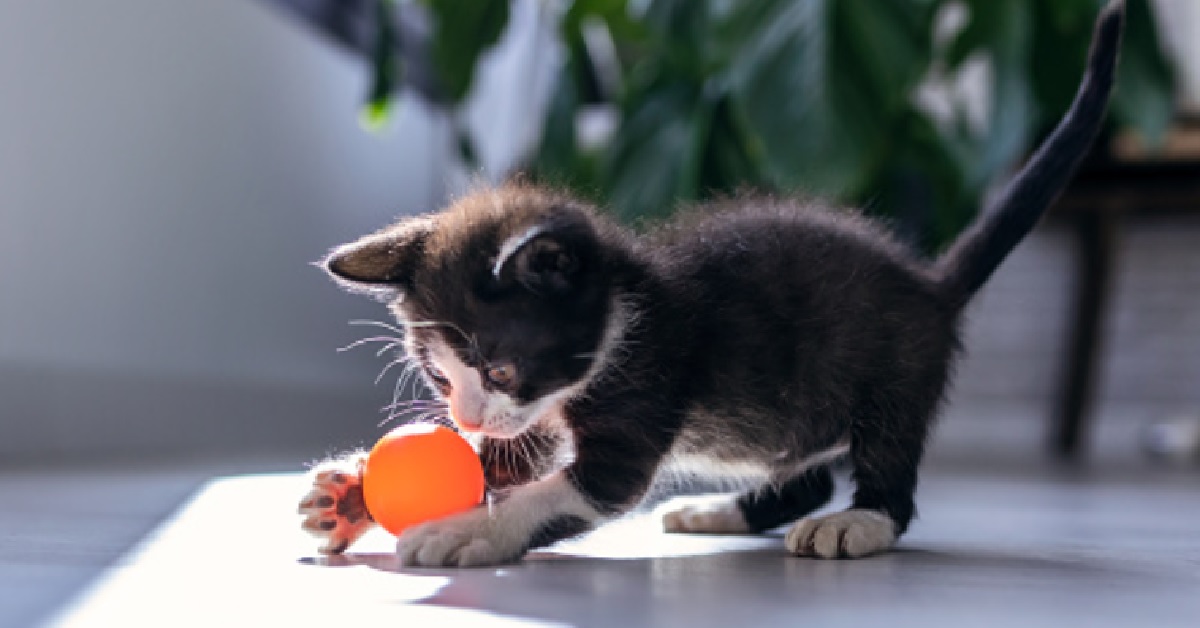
780	96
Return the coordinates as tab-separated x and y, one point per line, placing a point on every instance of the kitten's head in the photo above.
504	297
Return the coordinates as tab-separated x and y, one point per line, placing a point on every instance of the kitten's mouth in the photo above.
503	431
492	429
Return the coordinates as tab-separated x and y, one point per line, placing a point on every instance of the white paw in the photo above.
334	509
847	534
706	514
470	539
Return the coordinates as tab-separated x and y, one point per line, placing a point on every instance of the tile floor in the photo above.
62	526
1028	549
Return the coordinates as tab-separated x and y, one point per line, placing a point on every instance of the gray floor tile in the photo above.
986	551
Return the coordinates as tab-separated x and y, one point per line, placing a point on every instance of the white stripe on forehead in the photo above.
514	244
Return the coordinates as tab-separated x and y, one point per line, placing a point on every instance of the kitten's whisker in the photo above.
447	421
378	324
390	345
396	391
500	451
402	413
515	446
436	418
425	409
524	445
387	367
391	340
410	373
418	402
406	408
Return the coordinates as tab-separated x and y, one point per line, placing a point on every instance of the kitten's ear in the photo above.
549	257
382	261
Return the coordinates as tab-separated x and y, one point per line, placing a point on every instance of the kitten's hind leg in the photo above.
851	533
885	472
759	510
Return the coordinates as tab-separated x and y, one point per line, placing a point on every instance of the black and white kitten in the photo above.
765	334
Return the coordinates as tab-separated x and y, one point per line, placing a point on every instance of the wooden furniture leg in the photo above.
1096	237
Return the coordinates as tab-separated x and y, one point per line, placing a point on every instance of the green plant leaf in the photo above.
377	111
1061	31
463	29
558	147
648	167
816	96
733	157
1003	31
923	181
792	93
1145	93
559	160
820	81
887	44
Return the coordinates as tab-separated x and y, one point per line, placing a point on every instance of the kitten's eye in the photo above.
438	377
501	375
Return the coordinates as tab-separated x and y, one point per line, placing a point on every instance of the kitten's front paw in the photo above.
334	508
848	534
470	539
705	514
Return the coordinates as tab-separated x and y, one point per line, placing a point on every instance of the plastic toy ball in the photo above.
420	472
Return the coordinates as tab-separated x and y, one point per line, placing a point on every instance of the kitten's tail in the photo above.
974	256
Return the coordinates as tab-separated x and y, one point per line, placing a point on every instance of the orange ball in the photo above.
420	472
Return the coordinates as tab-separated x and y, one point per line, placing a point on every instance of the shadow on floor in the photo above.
728	586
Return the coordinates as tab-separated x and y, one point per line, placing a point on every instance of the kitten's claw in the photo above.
333	508
848	534
706	514
470	539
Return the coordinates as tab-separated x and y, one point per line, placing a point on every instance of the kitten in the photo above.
763	334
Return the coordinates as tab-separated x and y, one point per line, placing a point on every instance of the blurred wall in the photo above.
1178	22
1015	337
168	169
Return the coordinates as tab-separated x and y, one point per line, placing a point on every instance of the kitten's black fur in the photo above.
754	330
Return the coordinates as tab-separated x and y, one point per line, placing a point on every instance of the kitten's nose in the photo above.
465	420
468	424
